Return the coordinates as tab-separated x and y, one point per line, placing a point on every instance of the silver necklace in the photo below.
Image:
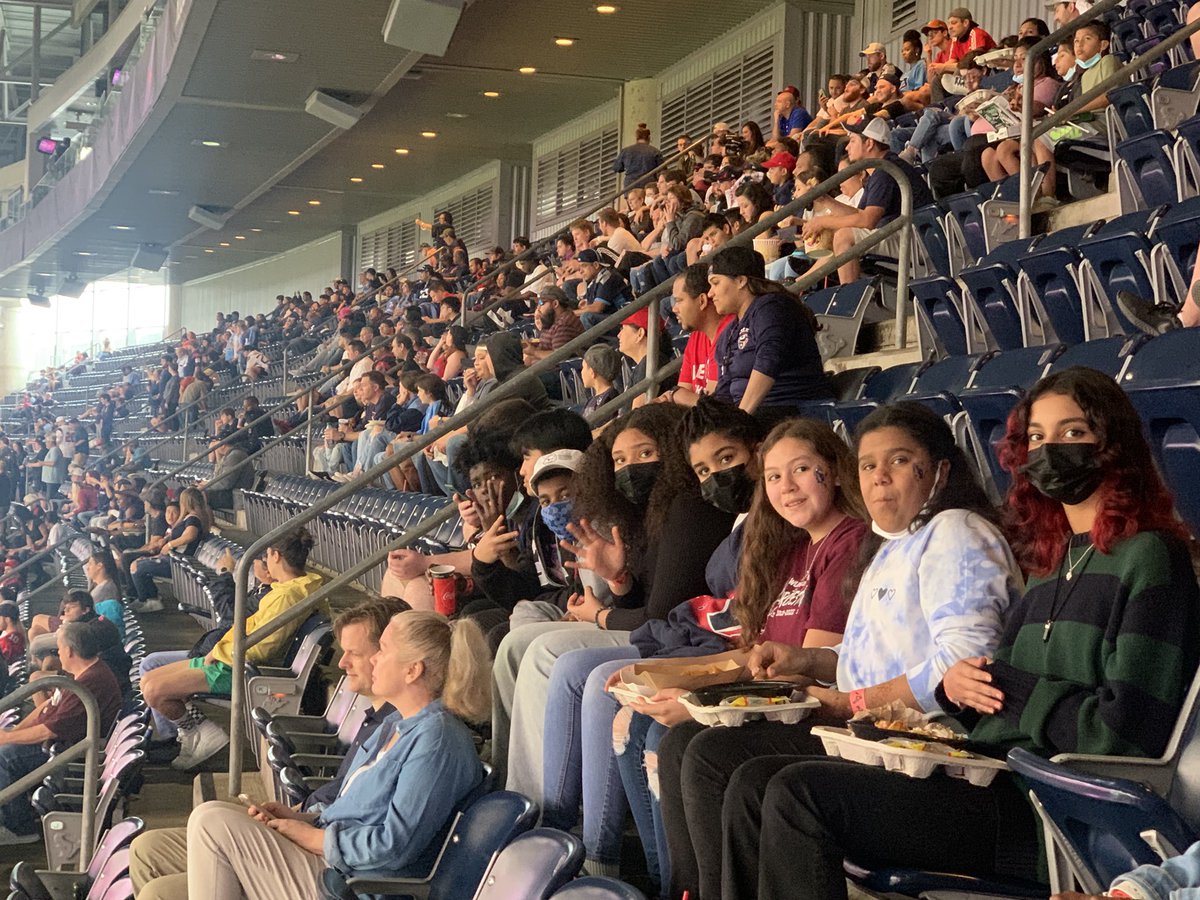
1073	565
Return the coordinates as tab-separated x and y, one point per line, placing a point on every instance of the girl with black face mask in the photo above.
1095	658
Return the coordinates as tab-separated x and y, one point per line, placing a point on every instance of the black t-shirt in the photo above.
180	527
882	190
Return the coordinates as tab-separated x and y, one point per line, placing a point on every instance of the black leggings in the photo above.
695	765
789	823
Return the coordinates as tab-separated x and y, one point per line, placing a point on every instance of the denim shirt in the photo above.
927	600
386	819
1177	878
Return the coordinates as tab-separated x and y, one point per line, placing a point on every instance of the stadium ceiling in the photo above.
273	157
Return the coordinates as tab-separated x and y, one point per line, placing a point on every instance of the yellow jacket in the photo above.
282	596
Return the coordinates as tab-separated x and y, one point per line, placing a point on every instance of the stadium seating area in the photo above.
367	417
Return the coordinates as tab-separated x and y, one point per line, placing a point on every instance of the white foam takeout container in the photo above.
733	716
977	770
631	694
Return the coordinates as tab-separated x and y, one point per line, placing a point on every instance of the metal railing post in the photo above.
653	323
87	748
283	387
308	440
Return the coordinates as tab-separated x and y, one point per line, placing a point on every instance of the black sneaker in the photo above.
1152	318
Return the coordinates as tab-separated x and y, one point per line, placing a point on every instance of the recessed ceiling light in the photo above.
356	180
428	134
239	237
85	253
456	115
209	250
402	151
377	165
314	202
159	192
491	94
44	274
564	41
279	56
293	212
223	244
121	227
527	70
207	143
256	230
606	9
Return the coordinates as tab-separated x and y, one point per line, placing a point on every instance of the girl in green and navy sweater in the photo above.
1095	658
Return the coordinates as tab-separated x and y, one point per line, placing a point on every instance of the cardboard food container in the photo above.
704	671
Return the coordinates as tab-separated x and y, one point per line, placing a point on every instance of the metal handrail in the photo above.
509	389
87	748
535	247
1121	76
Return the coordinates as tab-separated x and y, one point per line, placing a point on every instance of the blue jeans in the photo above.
162	725
641	790
960	130
578	759
147	569
17	761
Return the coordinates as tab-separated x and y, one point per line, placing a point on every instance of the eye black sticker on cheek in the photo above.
919	470
819	474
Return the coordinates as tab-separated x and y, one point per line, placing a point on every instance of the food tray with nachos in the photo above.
917	759
735	704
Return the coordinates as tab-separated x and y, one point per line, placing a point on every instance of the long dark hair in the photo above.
768	538
1133	497
598	500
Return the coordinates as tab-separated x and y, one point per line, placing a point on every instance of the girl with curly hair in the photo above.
1095	658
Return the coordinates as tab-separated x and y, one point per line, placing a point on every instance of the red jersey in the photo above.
699	367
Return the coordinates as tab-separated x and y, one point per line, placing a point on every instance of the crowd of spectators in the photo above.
706	525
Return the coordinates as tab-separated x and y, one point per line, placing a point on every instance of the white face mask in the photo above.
896	535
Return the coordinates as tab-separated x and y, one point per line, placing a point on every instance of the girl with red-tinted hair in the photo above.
1096	657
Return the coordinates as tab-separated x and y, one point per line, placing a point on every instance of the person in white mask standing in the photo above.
934	592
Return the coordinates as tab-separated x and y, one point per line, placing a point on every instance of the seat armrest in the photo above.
317	760
273	672
1153	773
313	743
63	885
307	724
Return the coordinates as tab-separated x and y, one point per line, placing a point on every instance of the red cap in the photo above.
793	90
782	159
641	319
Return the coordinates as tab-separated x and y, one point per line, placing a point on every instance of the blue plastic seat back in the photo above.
891	383
1171	359
1132	103
1100	818
820	301
1127	33
848	298
987	413
938	386
1148	156
965	210
1119	255
1104	354
1177	228
1053	283
597	887
1019	368
1163	18
931	232
1181	78
993	286
533	866
939	298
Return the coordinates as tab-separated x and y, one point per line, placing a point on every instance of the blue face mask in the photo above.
1070	72
1019	78
1089	62
556	516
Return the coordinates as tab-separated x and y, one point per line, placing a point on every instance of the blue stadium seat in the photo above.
1163	381
1176	237
938	386
911	883
1146	171
598	887
1049	268
938	305
1108	355
1131	103
1176	95
1115	258
883	387
964	228
930	231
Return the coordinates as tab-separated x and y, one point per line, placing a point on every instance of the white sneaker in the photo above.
198	744
147	606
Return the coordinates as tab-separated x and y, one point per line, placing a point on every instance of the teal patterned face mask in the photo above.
557	516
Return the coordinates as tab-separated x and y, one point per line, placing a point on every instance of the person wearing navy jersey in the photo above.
768	357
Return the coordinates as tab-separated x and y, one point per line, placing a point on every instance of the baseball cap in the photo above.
873	47
783	159
552	292
934	25
891	78
791	89
640	319
565	460
874	128
961	12
587	256
728	173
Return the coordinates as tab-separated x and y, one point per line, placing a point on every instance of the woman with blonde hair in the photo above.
194	525
387	819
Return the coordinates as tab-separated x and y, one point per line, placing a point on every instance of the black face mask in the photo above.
1068	473
636	481
729	490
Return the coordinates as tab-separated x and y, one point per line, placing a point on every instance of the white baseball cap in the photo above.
556	461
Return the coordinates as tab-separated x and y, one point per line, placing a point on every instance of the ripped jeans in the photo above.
635	740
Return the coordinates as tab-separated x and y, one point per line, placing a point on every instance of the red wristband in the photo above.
858	700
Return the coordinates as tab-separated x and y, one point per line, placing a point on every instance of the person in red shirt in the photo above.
12	632
696	313
61	718
966	36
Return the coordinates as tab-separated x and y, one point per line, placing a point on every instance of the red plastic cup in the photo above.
445	589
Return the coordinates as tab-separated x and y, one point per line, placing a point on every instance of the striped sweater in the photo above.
1111	676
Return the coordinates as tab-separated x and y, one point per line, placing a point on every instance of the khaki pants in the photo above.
158	864
231	856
